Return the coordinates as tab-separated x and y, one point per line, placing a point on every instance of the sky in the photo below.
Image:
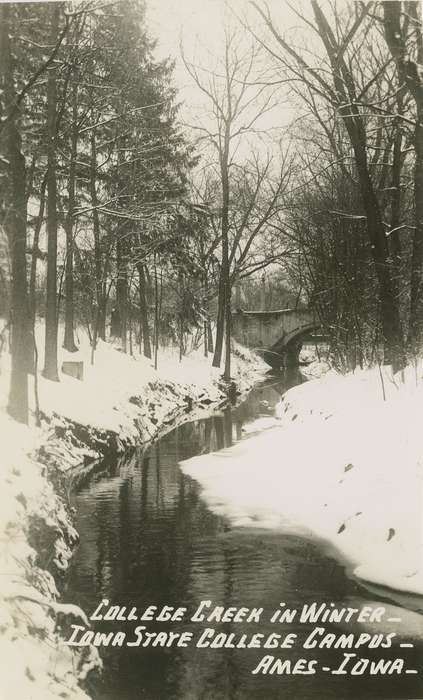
199	24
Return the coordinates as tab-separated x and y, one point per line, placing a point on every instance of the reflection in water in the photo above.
148	538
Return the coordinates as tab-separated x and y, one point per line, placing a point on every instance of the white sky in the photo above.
197	22
199	25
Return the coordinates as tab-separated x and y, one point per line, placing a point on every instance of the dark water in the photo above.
147	538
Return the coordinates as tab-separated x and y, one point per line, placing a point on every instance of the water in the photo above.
148	538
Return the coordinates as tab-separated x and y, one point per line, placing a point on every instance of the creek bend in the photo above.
147	539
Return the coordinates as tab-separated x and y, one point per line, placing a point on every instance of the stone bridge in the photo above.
276	335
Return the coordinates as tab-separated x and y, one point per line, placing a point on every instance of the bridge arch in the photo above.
276	335
298	333
286	352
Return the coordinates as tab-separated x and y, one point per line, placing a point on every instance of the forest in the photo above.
142	226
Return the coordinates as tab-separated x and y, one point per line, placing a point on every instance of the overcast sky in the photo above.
199	25
198	22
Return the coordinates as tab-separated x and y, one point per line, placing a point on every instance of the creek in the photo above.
148	538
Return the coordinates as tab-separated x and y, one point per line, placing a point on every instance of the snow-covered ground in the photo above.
36	541
344	465
122	400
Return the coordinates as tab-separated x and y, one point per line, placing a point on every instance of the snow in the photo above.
338	462
122	400
343	465
35	662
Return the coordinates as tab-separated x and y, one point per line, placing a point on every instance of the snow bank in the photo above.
122	400
36	663
344	465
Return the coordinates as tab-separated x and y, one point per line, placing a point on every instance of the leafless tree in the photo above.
403	32
333	77
249	190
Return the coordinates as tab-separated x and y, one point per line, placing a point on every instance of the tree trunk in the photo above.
181	315
397	160
355	126
205	339
16	231
94	336
115	323
156	315
35	250
102	314
122	288
223	325
144	312
225	254
209	336
220	323
50	359
415	332
98	262
69	339
263	293
131	347
238	304
397	17
228	326
391	324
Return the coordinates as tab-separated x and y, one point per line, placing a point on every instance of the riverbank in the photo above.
367	473
344	465
122	401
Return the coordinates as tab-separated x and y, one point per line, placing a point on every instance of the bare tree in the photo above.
69	338
50	359
237	103
336	83
403	33
15	204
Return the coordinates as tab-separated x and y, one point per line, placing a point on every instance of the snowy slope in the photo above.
122	400
344	465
